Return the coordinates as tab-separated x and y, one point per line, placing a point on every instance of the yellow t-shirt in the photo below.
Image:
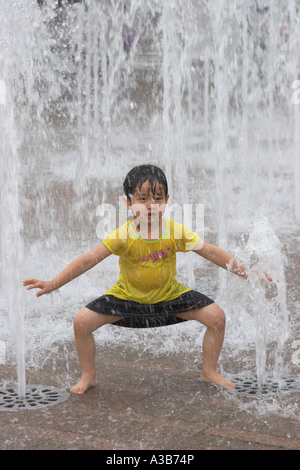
148	268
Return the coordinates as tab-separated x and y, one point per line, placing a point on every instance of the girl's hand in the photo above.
264	277
268	277
45	286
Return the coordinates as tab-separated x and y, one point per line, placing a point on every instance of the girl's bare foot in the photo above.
84	384
217	379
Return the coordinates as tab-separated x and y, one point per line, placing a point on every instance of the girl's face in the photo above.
146	205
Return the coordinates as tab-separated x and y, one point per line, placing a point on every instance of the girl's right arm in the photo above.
76	268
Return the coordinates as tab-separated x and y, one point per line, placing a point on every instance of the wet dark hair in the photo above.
139	174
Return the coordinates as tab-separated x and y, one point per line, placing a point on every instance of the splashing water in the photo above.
260	306
11	242
201	88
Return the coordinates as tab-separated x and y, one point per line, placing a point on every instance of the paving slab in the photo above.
148	403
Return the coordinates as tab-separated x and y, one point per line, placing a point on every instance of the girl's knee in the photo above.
81	323
218	318
87	321
78	323
214	317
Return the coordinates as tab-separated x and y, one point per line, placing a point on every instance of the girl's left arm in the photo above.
222	259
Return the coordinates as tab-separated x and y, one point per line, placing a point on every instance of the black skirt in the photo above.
139	315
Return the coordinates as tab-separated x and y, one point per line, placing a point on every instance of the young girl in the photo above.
147	293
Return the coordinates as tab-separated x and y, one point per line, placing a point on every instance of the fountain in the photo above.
11	249
268	311
11	241
89	89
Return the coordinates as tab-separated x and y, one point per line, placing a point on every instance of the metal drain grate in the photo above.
36	397
248	386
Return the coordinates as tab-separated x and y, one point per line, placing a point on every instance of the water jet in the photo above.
202	89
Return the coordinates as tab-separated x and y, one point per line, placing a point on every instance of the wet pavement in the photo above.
149	403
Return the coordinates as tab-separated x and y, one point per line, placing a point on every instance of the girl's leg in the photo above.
213	318
85	323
